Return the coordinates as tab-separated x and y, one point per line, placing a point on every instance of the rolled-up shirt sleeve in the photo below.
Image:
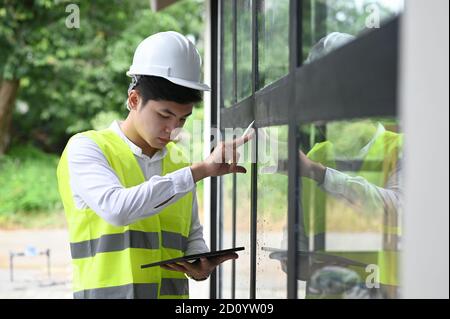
95	184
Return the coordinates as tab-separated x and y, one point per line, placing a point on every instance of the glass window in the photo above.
273	40
271	279
226	232
244	49
243	191
333	23
237	230
227	53
351	193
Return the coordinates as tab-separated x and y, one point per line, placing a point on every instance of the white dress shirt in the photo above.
95	185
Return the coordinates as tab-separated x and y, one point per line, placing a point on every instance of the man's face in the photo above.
156	120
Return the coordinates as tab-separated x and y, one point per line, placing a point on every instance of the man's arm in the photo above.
196	243
94	184
355	190
363	195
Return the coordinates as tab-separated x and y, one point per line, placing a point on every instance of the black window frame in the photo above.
365	74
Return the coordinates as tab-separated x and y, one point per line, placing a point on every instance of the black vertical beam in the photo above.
219	50
233	239
233	229
215	19
254	167
234	53
295	49
235	98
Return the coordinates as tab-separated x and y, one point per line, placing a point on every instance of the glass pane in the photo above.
244	49
243	214
273	40
226	231
329	24
271	279
227	53
241	233
351	195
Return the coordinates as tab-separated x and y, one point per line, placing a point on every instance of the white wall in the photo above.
425	115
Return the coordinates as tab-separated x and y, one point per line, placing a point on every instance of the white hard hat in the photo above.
169	55
329	43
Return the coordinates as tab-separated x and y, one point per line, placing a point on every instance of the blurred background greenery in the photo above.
56	81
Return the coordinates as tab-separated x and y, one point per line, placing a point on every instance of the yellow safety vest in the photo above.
107	259
380	161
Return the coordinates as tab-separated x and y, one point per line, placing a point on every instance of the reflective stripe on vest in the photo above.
128	239
107	258
169	287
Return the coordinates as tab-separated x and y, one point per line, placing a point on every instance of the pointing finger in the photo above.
244	139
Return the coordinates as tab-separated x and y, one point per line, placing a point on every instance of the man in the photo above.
128	198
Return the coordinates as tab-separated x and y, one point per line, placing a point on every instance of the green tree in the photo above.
67	76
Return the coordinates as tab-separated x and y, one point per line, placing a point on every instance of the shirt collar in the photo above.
115	126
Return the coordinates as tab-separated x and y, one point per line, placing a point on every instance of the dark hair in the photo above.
159	89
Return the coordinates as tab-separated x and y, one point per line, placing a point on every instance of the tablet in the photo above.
193	257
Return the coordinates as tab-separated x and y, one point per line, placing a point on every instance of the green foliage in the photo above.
104	119
273	197
71	80
68	76
192	142
273	42
28	181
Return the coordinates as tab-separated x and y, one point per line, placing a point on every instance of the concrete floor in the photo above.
31	280
30	273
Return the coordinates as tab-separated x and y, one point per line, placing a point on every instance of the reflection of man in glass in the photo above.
371	189
367	194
